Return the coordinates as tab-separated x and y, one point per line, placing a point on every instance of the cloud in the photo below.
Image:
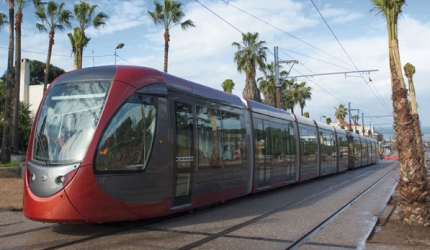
123	15
339	15
204	54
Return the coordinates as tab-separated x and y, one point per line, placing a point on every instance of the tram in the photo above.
121	143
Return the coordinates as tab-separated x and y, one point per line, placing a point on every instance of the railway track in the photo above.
196	230
307	235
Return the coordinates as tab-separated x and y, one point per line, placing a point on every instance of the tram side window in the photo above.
268	139
290	142
329	144
343	146
127	141
233	138
209	127
357	148
309	144
259	142
290	151
323	144
278	152
184	136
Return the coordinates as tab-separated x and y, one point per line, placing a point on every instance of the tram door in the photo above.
184	154
263	155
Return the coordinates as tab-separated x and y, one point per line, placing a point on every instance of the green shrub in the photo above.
24	126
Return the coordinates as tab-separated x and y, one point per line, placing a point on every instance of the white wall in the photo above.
32	94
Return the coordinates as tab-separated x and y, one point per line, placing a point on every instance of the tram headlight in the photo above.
65	179
60	179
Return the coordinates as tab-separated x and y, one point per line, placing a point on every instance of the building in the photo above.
32	94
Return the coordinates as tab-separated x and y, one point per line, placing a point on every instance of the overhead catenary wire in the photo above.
381	100
231	25
229	4
319	85
219	16
283	31
316	59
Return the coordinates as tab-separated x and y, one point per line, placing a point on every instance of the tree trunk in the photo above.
80	55
271	101
5	152
76	59
412	182
48	59
419	141
414	106
15	120
415	117
166	49
251	90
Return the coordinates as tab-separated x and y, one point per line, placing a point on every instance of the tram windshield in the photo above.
67	121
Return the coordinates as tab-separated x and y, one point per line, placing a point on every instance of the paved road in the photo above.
268	220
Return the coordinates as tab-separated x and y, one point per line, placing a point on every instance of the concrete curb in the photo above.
12	172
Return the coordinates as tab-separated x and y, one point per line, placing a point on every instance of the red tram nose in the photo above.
55	208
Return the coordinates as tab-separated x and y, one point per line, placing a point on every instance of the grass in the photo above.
11	164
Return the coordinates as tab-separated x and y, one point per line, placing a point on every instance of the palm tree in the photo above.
288	95
54	17
77	40
250	54
355	119
5	147
328	120
228	85
412	183
86	17
169	15
301	93
409	72
267	84
340	113
20	4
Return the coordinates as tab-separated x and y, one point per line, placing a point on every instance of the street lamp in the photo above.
119	46
323	116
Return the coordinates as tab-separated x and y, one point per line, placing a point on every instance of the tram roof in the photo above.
257	107
140	77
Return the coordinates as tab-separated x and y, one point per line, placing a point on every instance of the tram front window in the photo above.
67	121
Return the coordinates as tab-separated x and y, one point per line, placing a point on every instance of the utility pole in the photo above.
278	85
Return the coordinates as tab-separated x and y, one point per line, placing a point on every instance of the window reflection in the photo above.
126	143
209	127
67	121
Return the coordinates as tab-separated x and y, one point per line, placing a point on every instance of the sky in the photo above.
326	37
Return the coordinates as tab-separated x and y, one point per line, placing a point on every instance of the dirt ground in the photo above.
391	232
394	232
11	193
